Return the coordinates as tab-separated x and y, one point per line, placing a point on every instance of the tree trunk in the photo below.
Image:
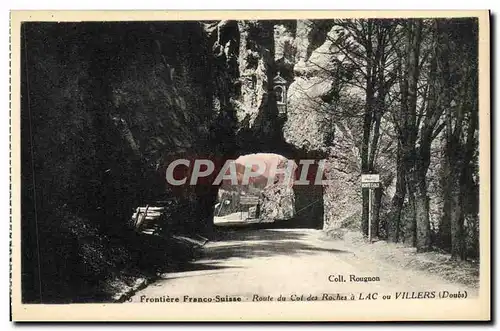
394	221
423	238
376	200
412	227
468	194
455	161
365	206
444	224
415	28
365	167
457	226
423	159
444	232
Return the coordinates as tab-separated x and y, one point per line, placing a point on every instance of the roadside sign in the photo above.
249	200
370	185
370	178
370	181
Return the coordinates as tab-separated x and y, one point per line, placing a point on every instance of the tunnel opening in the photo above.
257	195
274	199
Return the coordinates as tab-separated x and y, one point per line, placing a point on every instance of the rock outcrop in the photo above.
278	202
303	55
312	121
111	103
103	107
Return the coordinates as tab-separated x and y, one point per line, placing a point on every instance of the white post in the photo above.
370	215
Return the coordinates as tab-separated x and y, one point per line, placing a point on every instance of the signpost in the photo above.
248	200
370	181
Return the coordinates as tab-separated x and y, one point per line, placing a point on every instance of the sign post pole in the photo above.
370	181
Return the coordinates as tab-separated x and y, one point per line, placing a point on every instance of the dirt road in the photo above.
260	264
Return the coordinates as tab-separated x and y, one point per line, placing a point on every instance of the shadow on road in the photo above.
236	247
261	240
265	249
256	233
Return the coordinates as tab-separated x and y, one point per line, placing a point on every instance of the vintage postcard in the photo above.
250	166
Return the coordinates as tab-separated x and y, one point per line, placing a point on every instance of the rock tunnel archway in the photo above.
308	199
281	201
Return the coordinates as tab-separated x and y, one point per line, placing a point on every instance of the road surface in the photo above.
258	264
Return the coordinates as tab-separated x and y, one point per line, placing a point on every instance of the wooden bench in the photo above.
146	219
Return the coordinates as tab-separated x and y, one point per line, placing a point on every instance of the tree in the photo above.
460	84
438	90
405	120
423	75
367	54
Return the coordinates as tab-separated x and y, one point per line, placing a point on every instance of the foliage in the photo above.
408	90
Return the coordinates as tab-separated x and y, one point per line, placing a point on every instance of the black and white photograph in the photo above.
271	167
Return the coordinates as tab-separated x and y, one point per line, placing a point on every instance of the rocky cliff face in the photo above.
309	57
255	70
105	106
297	57
278	202
309	122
